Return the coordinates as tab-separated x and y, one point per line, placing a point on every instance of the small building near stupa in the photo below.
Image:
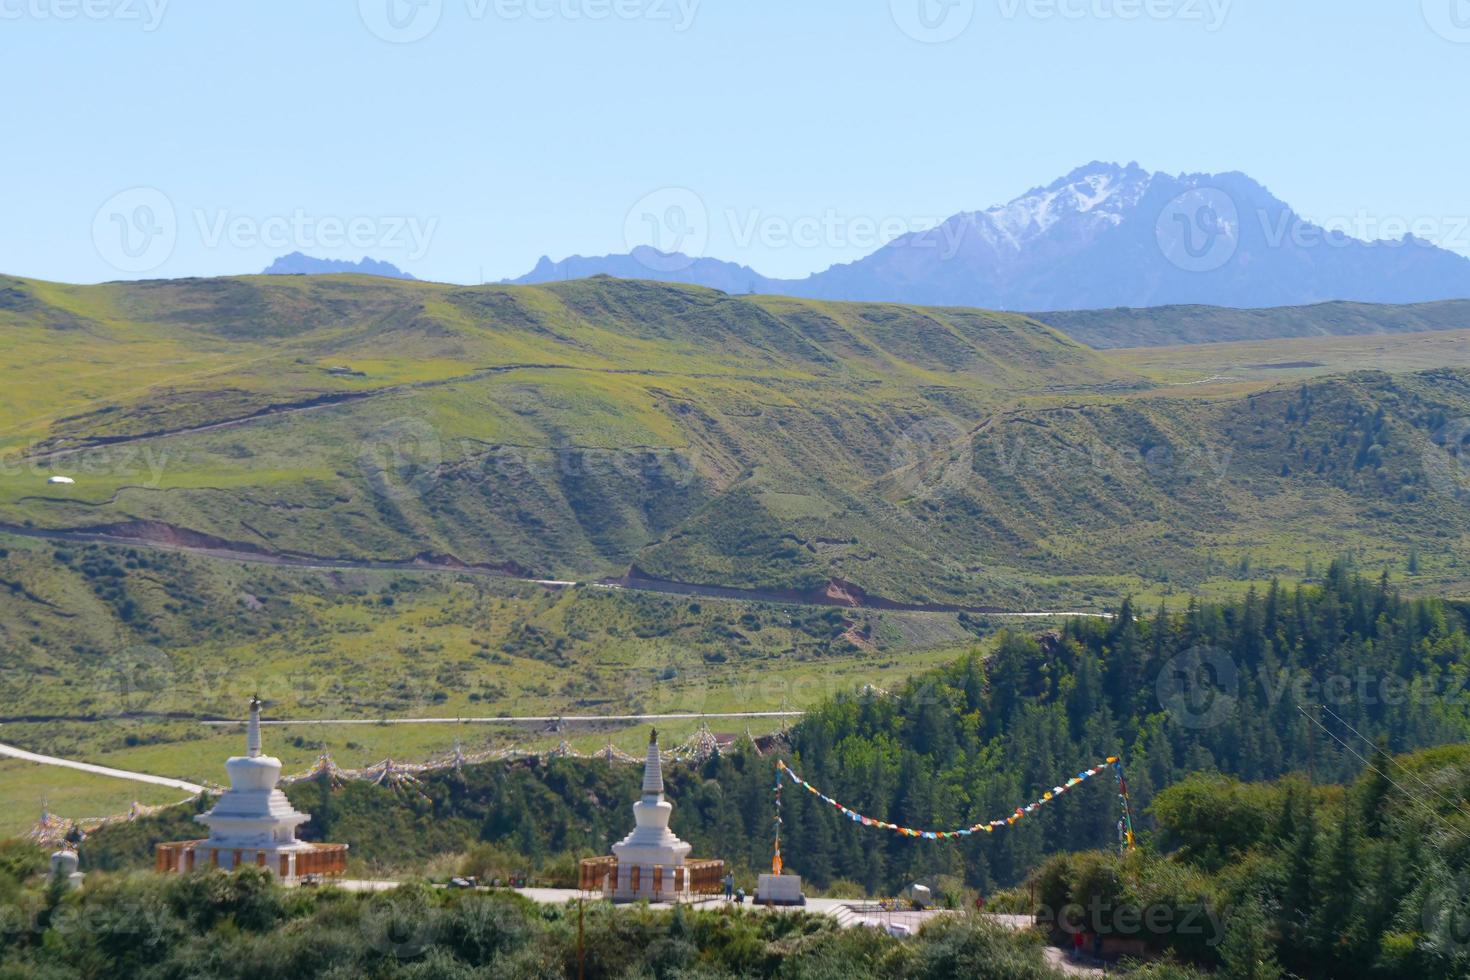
651	863
253	824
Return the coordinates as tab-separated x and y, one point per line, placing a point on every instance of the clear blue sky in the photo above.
521	127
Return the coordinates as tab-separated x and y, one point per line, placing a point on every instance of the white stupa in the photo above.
647	858
253	823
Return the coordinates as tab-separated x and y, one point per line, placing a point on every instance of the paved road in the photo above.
12	752
512	719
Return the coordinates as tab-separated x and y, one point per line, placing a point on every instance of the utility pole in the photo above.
581	953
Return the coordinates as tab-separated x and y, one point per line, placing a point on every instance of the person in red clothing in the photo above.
1079	940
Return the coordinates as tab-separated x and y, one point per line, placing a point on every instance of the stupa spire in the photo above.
653	769
649	859
252	730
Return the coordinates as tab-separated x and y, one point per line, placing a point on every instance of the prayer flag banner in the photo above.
783	770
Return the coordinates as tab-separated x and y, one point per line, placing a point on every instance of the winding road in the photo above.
12	752
234	551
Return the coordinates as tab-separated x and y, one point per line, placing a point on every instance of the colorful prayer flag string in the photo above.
1125	825
989	827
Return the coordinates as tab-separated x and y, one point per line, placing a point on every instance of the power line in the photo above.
1453	804
1410	796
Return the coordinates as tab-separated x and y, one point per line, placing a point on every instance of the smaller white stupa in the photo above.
648	857
64	864
253	823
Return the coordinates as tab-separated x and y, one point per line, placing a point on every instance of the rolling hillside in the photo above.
385	453
590	428
554	431
1162	326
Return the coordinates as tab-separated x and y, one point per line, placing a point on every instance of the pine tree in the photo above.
1297	891
1246	953
1335	923
1373	793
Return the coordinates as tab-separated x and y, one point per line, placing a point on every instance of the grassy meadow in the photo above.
407	441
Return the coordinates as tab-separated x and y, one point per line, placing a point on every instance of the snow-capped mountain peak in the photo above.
1100	192
1107	235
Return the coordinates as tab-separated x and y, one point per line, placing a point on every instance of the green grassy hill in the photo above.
1162	326
587	428
555	431
380	448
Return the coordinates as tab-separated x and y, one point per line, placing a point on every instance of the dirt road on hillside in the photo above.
163	537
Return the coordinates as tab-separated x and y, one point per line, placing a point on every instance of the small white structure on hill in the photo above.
64	871
61	481
652	863
254	824
651	845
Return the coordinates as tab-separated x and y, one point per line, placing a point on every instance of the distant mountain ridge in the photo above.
1163	326
1102	236
649	263
299	264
